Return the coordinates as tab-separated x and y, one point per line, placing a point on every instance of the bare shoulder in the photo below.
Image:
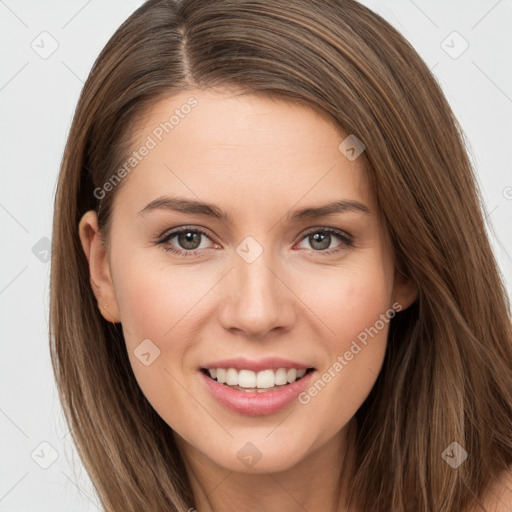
499	495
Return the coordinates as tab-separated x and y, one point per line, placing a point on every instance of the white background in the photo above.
37	100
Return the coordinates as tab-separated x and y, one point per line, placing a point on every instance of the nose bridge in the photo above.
259	301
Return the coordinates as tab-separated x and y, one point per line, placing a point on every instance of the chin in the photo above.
258	457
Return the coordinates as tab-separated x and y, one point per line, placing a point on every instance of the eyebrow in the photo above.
209	210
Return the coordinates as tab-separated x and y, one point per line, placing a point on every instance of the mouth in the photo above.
249	381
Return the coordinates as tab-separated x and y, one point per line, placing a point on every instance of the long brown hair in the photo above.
447	371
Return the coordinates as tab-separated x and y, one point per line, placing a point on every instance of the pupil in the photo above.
324	240
186	240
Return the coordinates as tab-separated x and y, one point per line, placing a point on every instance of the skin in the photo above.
258	159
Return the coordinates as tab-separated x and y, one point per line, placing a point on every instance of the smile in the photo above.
260	382
256	387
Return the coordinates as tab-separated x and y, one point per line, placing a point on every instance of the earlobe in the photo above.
405	291
99	266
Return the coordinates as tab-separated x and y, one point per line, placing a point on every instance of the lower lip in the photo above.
253	403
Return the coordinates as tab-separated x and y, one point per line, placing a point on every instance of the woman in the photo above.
269	269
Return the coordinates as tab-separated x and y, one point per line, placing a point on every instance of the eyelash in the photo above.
346	239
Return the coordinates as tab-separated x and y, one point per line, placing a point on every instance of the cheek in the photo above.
349	299
154	304
165	304
355	305
154	298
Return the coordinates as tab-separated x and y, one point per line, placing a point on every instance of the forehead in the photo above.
245	149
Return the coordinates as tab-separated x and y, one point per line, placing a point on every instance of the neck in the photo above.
292	490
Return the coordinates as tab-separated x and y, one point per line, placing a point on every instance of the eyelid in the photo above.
346	238
326	229
182	227
171	233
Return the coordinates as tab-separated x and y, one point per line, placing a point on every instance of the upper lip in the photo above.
256	365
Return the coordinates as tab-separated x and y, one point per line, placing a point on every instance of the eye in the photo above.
190	241
321	239
184	241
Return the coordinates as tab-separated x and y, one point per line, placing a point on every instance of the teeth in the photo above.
231	377
291	375
256	380
265	379
281	377
246	379
221	375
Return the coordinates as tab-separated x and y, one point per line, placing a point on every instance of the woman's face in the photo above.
264	283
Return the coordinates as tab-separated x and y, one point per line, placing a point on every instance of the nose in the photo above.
258	299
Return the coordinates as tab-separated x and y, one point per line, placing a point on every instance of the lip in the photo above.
266	363
254	403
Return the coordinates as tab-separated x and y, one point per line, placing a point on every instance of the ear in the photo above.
405	291
99	267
